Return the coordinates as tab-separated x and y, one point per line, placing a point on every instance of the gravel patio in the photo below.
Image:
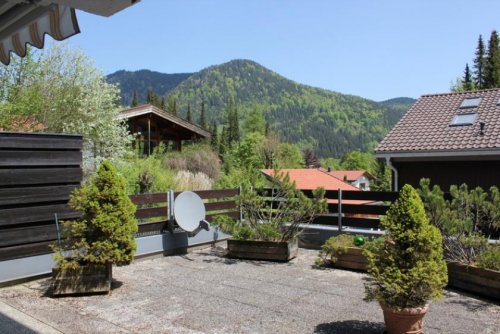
204	292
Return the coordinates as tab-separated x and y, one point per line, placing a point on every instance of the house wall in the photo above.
362	179
445	173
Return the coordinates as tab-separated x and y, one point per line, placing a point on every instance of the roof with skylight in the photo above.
463	119
470	103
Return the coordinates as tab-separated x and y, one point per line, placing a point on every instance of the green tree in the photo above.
189	115
467	80
289	156
135	100
357	160
61	89
214	141
203	116
408	269
162	104
479	64
106	232
492	68
255	121
310	158
172	105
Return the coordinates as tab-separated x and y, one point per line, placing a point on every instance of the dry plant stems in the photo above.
280	215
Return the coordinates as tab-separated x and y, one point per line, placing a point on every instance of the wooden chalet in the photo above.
152	126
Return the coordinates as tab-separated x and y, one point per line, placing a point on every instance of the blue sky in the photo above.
375	49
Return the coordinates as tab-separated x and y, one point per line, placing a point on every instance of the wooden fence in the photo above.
37	174
154	215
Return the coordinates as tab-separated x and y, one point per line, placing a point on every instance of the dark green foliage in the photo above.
203	116
172	105
330	122
189	116
135	100
479	64
281	222
467	80
408	269
310	158
214	140
105	234
492	69
160	83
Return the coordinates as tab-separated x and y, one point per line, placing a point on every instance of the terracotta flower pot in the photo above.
405	321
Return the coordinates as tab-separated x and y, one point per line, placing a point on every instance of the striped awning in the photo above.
23	23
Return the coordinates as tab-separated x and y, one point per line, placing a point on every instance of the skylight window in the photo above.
470	103
463	119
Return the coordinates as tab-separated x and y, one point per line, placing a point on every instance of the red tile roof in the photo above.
312	178
348	175
426	126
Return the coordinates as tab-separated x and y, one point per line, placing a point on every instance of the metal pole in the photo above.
340	210
241	209
149	137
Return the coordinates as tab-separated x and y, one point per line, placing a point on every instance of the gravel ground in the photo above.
204	292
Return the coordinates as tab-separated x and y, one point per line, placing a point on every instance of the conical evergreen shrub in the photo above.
407	270
105	233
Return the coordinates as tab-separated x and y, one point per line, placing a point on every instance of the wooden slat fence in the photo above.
37	174
153	212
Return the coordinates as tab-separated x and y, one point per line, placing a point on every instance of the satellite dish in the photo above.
189	212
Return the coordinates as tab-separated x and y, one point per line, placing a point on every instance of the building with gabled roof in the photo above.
152	126
358	178
451	138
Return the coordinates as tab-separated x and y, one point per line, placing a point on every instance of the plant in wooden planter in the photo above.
407	270
273	221
345	251
102	237
473	264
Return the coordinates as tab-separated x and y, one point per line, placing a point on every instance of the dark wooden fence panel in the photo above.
37	174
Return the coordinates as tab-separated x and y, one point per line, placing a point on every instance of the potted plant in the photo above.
345	251
407	270
272	221
103	236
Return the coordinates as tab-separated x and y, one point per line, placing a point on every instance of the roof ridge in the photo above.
460	93
327	173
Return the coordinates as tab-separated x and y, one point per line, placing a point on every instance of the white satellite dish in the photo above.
189	212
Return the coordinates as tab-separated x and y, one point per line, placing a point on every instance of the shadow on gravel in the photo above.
350	327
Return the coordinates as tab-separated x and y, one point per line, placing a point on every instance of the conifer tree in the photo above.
162	104
223	141
467	80
150	96
214	141
203	116
492	68
189	116
479	64
135	100
172	105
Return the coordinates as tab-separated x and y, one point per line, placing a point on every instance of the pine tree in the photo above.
233	130
150	96
189	116
203	116
214	141
172	105
467	80
162	104
135	100
492	68
479	64
223	141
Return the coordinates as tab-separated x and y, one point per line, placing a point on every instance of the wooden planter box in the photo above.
92	278
352	259
476	280
262	250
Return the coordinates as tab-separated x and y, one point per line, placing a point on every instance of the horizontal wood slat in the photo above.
36	214
221	205
18	251
148	198
151	212
11	140
23	196
10	177
39	158
361	222
28	235
209	194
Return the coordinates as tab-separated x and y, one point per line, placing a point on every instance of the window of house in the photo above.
362	186
470	103
463	119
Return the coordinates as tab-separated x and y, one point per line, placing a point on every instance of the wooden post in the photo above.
149	136
339	218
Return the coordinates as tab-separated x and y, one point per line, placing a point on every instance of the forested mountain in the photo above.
329	122
144	80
